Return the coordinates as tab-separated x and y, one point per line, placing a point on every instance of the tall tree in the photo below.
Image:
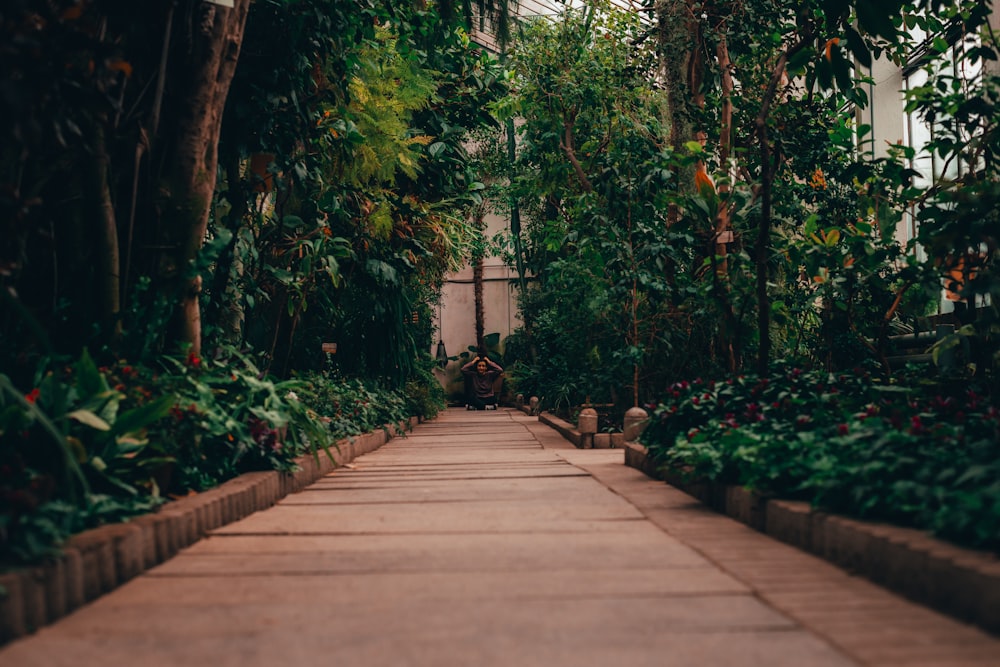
201	73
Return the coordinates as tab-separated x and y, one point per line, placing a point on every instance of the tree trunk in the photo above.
477	281
729	327
723	226
109	273
201	80
229	267
762	246
681	58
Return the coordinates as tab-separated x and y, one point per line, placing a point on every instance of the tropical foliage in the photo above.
224	251
185	242
703	199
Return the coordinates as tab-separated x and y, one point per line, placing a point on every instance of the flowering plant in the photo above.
926	456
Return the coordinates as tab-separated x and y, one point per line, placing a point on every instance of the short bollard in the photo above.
636	420
533	402
587	425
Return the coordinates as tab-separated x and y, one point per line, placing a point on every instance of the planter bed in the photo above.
961	582
99	560
568	431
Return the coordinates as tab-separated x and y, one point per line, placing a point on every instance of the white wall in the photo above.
457	315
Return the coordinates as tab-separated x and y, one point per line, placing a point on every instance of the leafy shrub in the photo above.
73	453
348	407
425	396
911	454
92	445
230	418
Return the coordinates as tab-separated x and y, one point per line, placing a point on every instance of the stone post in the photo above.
636	420
587	425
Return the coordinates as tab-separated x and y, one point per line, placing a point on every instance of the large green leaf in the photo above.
142	416
90	419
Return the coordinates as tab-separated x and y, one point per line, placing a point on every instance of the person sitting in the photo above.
480	374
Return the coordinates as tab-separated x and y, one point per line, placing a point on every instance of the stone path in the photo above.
485	539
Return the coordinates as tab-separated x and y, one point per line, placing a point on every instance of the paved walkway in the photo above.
485	539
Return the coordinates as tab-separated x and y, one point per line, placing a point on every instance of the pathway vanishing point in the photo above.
482	539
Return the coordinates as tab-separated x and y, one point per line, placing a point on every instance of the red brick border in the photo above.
97	561
961	582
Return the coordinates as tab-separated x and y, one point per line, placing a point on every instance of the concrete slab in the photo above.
494	516
352	588
520	552
444	489
457	636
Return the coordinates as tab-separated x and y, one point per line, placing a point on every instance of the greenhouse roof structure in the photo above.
484	35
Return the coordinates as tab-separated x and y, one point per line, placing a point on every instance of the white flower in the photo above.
292	396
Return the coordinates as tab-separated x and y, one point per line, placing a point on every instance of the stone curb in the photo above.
99	560
961	582
568	431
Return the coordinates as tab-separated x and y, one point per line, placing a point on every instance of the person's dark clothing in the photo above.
481	384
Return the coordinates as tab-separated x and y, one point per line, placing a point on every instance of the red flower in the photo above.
193	360
33	395
842	429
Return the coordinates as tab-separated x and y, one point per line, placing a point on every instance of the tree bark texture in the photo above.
679	43
477	279
109	270
203	65
762	246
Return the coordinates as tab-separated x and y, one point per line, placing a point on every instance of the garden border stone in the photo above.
568	431
98	560
958	581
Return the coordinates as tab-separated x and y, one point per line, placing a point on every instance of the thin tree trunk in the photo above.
723	223
145	141
477	280
188	185
109	261
569	148
725	149
229	267
762	246
678	42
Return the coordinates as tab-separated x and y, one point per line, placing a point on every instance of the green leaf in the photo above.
88	418
293	222
89	380
143	416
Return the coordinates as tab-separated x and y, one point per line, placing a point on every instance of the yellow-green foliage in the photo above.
384	96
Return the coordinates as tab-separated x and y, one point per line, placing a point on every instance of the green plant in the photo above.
424	395
73	453
229	417
910	452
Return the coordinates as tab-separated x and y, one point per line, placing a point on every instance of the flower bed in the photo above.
921	456
93	445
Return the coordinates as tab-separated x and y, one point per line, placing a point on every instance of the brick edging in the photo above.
569	432
98	560
961	582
